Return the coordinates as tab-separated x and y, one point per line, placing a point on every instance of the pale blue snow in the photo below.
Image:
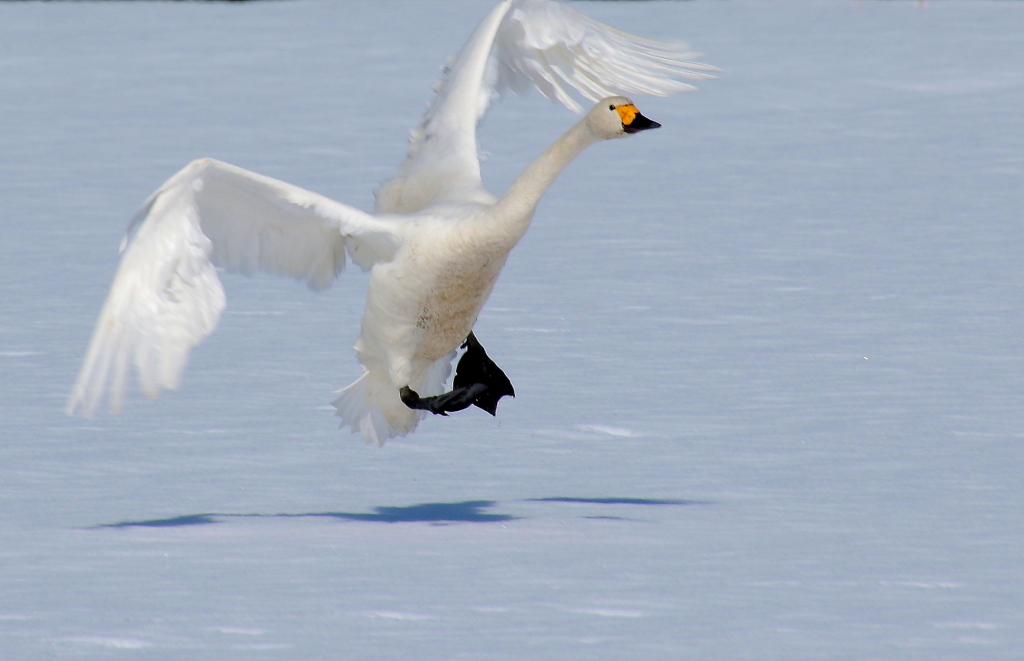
768	359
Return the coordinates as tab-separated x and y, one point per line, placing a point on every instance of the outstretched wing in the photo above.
561	51
166	296
520	45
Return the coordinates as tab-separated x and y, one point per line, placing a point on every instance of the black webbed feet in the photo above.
478	382
475	366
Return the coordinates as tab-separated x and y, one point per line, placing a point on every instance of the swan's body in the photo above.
436	242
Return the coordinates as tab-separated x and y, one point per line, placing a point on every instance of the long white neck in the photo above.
515	208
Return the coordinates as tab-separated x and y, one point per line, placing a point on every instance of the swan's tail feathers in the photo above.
371	406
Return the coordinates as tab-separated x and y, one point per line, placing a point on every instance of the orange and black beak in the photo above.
633	121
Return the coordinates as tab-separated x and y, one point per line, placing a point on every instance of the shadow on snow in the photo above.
470	511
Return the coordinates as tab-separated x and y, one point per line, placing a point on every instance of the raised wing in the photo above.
560	51
524	44
166	296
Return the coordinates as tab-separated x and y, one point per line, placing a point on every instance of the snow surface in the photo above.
768	358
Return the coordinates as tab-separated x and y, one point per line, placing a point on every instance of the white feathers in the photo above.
162	303
166	296
433	268
522	45
562	52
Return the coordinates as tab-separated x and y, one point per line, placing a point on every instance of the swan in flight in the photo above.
436	241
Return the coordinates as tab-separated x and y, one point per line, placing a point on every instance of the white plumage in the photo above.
435	243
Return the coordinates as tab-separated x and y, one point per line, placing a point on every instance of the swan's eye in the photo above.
611	107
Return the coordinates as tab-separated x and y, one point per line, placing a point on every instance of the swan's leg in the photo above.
449	402
478	381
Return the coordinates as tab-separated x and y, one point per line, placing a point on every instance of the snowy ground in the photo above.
768	358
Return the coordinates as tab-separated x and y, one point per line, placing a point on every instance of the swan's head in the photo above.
617	117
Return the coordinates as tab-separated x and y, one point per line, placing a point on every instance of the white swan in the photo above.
436	242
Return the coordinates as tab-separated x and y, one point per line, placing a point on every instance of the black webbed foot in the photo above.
475	366
478	382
